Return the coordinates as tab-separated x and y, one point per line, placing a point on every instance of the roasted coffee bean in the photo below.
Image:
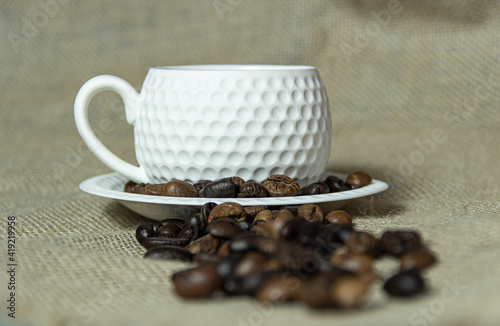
179	188
418	260
226	266
335	184
262	217
140	189
353	262
143	231
311	212
169	231
177	221
279	221
397	243
188	232
262	229
340	232
223	188
233	286
168	252
348	292
252	211
201	184
358	179
129	186
279	185
338	217
211	259
315	292
225	228
237	181
315	189
269	246
156	189
245	242
197	282
405	284
292	227
227	210
207	244
252	189
277	290
362	242
251	263
150	243
205	211
308	232
196	219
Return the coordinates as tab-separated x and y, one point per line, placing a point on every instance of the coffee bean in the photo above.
417	260
252	263
308	232
155	189
140	189
168	252
275	226
211	259
179	188
226	266
244	242
196	219
405	284
279	185
129	187
207	244
169	231
315	189
177	221
143	231
348	292
227	210
315	292
397	243
197	282
205	211
223	188
362	242
276	290
224	228
291	228
354	262
358	179
269	246
237	181
223	248
335	184
188	232
252	189
199	185
311	212
262	217
150	243
252	211
338	217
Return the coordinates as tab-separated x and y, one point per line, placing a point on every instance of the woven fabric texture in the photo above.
414	88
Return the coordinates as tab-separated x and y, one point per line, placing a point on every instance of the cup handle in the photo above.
131	100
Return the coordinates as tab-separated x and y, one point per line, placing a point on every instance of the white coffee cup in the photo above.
212	121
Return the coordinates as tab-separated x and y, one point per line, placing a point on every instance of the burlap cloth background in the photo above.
415	101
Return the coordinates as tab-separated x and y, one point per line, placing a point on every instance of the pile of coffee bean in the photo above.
277	185
278	254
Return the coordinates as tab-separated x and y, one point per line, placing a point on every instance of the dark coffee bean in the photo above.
251	263
279	185
143	231
362	242
338	217
315	189
225	228
335	184
397	243
308	232
262	217
282	217
223	188
205	211
252	211
206	244
269	246
251	283
226	266
140	188
405	284
245	242
245	226
233	286
156	189
197	282
315	292
277	290
353	262
292	227
188	232
169	231
252	189
168	252
237	181
224	248
195	218
348	292
310	212
204	258
227	210
358	179
321	250
129	187
150	243
177	221
327	236
179	188
340	232
417	260
201	184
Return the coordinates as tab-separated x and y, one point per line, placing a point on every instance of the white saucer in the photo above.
159	207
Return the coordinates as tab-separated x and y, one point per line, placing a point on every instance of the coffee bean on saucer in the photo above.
156	189
405	284
140	189
315	189
237	181
223	188
179	188
197	282
335	184
358	179
129	187
252	189
338	217
143	231
169	252
311	212
199	185
417	260
229	210
397	243
279	185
